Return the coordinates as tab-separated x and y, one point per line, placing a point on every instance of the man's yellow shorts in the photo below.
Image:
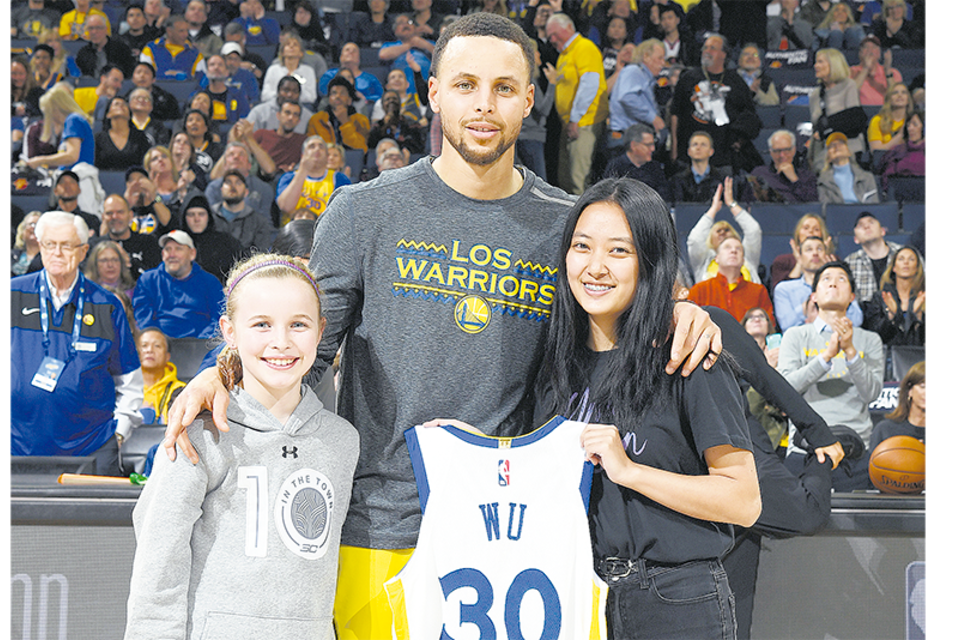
361	610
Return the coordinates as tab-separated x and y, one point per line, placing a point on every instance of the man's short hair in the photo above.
836	264
809	238
233	28
634	132
91	15
702	134
310	139
107	68
153	71
173	20
782	132
670	9
644	49
484	24
166	340
293	102
237	173
242	145
287	79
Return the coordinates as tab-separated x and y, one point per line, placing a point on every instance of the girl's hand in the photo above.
450	422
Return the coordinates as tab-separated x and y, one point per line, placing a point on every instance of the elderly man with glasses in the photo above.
782	179
75	383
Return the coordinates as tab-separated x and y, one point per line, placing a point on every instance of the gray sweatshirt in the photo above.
441	302
245	544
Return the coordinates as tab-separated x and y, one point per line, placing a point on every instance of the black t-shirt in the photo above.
890	428
879	266
698	412
144	251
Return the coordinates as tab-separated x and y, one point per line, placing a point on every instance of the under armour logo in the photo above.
292	452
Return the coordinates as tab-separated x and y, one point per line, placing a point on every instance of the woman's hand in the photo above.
716	203
603	446
920	305
889	301
728	198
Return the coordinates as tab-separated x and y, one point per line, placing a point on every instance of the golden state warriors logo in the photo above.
472	314
303	514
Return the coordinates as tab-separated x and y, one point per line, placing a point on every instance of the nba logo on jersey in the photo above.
503	472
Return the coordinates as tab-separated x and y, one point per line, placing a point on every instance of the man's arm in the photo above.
866	370
289	195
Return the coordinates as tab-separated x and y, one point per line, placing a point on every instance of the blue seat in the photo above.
113	181
353	158
794	115
770	116
266	51
32	203
909	58
180	89
913	215
781	219
841	218
370	57
906	189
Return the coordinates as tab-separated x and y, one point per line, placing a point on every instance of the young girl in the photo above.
675	467
245	543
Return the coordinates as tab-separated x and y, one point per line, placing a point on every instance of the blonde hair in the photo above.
333	146
828	19
263	265
46	35
20	243
823	235
59	101
890	4
886	111
165	151
722	224
839	69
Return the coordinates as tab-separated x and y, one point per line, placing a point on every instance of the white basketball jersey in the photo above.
504	548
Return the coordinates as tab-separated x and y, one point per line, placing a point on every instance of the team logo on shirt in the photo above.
480	280
303	513
472	314
88	319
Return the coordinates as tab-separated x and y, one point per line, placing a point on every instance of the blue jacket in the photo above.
169	67
77	417
259	32
188	308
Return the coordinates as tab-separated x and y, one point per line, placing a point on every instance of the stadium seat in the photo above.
903	357
187	354
133	452
841	218
781	219
912	216
113	181
770	116
906	188
181	90
353	158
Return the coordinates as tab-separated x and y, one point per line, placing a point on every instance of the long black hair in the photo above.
635	376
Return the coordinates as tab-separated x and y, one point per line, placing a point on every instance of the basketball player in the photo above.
439	279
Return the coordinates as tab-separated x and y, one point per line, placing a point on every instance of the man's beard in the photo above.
480	157
233	201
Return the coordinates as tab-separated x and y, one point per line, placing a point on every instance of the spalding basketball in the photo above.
898	465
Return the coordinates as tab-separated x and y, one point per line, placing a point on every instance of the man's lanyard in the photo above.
45	318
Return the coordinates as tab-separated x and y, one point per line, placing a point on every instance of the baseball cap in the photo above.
864	214
135	169
834	137
178	236
871	38
231	47
68	174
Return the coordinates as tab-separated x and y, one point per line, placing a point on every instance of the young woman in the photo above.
910	416
207	151
886	128
893	28
185	162
66	122
839	30
119	145
246	516
24	92
898	310
910	157
675	467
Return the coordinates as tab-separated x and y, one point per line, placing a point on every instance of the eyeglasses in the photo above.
62	247
108	260
787	150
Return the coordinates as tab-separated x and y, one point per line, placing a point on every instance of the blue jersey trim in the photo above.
419	470
493	442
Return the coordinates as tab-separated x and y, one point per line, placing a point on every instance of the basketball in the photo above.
898	465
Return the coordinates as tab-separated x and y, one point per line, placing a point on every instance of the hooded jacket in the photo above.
217	251
261	511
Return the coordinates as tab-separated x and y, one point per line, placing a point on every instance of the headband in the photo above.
271	263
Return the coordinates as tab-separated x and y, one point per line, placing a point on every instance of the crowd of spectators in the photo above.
221	123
